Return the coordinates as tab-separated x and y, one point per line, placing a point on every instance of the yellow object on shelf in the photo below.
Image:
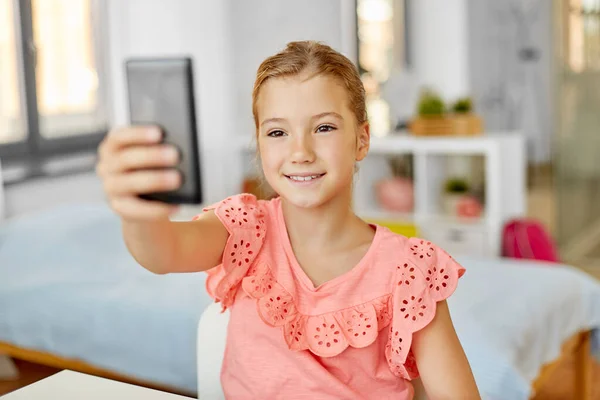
400	227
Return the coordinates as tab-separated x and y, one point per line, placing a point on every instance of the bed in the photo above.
71	296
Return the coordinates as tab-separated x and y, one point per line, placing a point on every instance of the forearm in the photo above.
442	363
153	244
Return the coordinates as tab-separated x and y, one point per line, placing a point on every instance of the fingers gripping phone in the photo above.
161	93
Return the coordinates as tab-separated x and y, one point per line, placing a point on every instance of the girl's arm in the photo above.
442	363
162	246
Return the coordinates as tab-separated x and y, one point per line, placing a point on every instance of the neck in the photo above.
322	226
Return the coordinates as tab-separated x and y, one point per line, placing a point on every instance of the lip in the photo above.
307	182
305	174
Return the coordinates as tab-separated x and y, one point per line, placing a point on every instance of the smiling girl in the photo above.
323	305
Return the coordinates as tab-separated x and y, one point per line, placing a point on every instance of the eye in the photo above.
325	128
276	133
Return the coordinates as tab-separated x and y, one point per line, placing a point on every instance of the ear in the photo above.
363	138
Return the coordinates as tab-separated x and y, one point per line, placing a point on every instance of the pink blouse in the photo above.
349	338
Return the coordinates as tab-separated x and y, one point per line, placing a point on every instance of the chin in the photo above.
306	197
302	198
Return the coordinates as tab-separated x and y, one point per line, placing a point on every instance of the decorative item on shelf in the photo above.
395	194
468	207
258	187
434	119
455	190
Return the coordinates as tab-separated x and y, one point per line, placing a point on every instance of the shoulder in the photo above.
243	211
246	219
424	275
414	252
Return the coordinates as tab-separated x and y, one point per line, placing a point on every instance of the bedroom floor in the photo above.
563	377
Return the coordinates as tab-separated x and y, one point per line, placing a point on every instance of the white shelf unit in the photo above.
504	182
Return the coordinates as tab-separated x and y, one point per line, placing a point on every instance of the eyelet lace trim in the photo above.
425	276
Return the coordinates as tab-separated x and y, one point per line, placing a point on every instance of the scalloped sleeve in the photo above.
425	275
244	219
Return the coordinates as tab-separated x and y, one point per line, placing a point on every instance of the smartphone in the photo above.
161	93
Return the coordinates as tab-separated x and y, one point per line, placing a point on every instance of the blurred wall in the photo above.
439	45
511	60
260	28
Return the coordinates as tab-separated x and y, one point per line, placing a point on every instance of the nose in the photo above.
302	149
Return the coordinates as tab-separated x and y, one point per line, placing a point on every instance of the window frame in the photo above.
35	149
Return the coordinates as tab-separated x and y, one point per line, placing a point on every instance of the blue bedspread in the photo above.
68	286
513	316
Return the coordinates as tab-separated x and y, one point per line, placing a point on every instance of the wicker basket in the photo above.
451	125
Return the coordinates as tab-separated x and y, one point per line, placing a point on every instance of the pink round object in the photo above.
469	206
396	194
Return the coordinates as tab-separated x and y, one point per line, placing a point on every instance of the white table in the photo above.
69	385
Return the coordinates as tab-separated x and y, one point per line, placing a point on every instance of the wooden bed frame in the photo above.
50	360
577	349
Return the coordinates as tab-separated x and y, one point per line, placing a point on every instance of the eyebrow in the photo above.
314	117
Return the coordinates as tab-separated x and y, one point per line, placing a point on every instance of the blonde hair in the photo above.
318	59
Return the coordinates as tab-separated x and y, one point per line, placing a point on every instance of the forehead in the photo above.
301	95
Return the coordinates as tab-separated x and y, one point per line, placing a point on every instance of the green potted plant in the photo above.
432	118
454	189
466	122
462	105
431	104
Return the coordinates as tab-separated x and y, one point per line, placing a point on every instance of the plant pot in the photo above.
469	207
447	125
450	202
431	126
467	124
395	194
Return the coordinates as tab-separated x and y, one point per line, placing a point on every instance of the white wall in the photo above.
513	94
261	28
439	45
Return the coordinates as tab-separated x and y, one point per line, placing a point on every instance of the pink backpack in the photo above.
528	239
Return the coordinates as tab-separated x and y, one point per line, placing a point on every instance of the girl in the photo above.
323	305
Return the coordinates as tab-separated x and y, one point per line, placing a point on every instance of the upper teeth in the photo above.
303	178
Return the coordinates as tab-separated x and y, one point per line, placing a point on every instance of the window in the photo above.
12	120
382	53
583	35
52	91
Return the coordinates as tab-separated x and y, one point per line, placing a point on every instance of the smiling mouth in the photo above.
304	178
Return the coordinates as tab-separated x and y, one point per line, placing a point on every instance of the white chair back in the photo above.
210	348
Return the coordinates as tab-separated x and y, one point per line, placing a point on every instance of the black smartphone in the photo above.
161	93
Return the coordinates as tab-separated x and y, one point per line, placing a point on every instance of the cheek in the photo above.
270	160
341	155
